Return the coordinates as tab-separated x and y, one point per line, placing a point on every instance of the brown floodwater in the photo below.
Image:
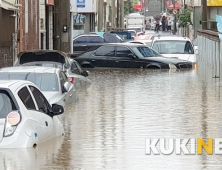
107	127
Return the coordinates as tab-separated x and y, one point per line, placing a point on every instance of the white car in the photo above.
175	47
53	82
26	117
57	59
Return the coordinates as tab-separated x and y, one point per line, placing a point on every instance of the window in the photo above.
173	47
26	98
145	52
96	39
6	104
105	51
42	103
82	39
63	78
79	68
44	81
74	68
122	52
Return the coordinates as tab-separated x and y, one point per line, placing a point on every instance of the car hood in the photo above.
167	60
52	97
187	57
40	55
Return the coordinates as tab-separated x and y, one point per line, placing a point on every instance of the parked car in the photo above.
56	59
133	33
175	46
124	35
129	55
26	117
84	42
51	81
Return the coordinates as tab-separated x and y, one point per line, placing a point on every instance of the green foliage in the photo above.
184	18
128	7
170	11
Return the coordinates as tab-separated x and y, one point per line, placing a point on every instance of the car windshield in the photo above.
145	52
173	47
44	81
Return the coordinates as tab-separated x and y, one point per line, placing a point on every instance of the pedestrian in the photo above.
166	23
163	23
157	27
169	24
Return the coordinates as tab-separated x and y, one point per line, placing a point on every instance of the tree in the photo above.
184	18
128	7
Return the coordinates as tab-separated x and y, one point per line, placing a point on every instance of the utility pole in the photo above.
118	12
204	14
174	22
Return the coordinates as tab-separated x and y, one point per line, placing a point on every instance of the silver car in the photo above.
56	59
53	82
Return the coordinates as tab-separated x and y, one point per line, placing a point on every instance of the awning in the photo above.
177	6
8	6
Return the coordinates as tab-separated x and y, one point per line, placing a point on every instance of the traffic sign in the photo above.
174	12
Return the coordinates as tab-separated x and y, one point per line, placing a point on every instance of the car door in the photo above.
44	111
103	57
34	124
125	59
80	44
69	96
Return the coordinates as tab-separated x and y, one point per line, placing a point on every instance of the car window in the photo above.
173	47
82	39
74	68
145	52
96	39
26	98
62	78
41	101
44	81
122	52
79	68
6	104
105	51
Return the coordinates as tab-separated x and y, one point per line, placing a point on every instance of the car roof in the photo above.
123	44
176	38
8	83
32	69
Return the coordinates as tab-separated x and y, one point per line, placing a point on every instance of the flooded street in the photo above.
107	127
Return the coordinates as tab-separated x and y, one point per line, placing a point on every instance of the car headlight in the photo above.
172	66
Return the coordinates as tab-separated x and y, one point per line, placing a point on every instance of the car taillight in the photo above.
72	80
12	121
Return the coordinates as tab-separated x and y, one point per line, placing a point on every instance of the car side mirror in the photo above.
66	87
85	73
131	56
57	109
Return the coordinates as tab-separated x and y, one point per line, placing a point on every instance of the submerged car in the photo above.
175	47
53	82
84	42
56	59
26	117
129	55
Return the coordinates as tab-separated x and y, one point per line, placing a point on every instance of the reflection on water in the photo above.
107	127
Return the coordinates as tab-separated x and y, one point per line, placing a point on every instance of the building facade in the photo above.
7	32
